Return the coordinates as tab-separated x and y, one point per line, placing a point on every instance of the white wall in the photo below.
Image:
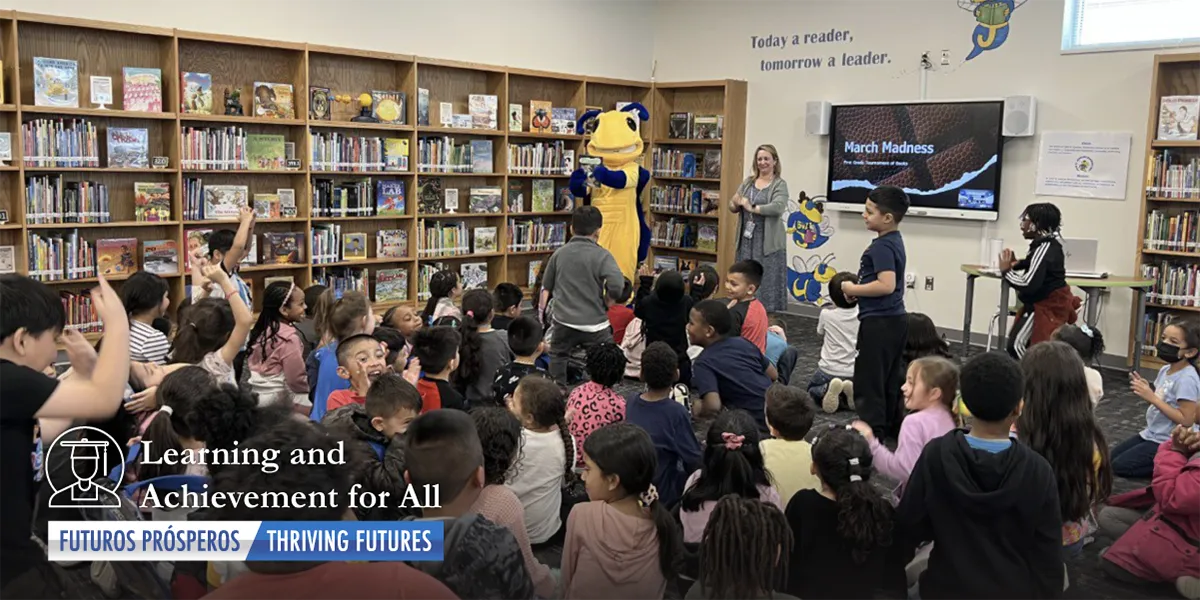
521	33
1108	91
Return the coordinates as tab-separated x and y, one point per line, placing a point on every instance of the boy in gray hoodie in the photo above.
480	558
584	279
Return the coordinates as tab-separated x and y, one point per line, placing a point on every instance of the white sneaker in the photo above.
848	392
1189	587
830	402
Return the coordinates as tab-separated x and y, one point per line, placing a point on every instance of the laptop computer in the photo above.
1081	258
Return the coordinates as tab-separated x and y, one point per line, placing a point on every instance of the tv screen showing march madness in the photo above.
946	156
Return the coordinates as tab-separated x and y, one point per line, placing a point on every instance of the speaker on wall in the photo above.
816	117
1020	116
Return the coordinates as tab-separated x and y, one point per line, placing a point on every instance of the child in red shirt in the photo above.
361	360
437	349
619	314
749	315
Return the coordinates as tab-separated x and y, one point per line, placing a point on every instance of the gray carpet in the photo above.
1120	414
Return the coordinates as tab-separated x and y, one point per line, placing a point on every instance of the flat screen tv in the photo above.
945	155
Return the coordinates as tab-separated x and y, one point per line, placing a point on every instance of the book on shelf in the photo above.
1175	284
444	154
539	158
266	206
342	279
483	109
1177	117
485	200
128	148
1171	174
1172	232
224	202
675	233
50	199
389	106
445	114
395	154
273	100
474	275
354	246
391	243
287	203
116	256
543	195
515	117
55	82
422	107
389	198
196	95
152	201
462	121
8	259
391	285
535	267
429	196
346	199
451	200
565	201
80	312
712	163
481	157
485	240
265	152
673	162
425	272
516	197
285	248
666	263
160	257
326	243
60	143
562	120
142	89
61	256
531	235
213	148
684	198
442	238
540	116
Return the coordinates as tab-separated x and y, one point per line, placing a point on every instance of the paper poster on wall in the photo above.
1084	164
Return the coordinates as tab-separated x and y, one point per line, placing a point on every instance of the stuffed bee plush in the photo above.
615	185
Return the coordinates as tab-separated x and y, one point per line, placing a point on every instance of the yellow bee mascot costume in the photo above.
616	184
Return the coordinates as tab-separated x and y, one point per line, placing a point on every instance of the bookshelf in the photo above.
1168	243
102	48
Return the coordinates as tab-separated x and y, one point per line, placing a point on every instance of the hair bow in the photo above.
1085	329
648	497
732	441
471	313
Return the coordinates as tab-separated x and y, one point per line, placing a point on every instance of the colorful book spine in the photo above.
48	199
442	238
60	143
1172	175
1172	232
443	155
336	152
542	158
61	256
214	149
1175	284
534	235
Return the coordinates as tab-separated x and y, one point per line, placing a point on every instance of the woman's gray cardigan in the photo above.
774	213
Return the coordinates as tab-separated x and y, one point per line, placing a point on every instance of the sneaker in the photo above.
832	395
848	392
1189	587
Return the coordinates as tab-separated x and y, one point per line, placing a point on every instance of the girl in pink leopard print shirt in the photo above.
595	404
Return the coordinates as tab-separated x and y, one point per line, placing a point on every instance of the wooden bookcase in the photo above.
103	48
1174	75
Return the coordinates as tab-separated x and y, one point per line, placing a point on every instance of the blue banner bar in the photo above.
348	540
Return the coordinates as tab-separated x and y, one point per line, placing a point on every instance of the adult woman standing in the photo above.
761	201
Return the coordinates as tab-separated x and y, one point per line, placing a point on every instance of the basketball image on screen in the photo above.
944	155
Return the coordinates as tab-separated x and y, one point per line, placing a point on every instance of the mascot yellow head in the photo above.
617	139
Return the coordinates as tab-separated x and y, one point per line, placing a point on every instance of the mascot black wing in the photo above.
615	186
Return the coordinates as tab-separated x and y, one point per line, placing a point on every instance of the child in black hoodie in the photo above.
664	313
1040	280
989	504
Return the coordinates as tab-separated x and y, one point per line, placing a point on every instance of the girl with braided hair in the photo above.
624	542
1040	280
276	356
744	553
844	531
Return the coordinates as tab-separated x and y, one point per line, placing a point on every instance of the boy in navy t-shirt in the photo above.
883	321
730	371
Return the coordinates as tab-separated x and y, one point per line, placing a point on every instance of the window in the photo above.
1121	24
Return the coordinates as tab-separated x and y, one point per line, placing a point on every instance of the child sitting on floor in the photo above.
595	404
749	316
547	459
786	456
484	349
667	422
838	323
744	553
437	349
525	341
1088	342
508	298
374	435
361	360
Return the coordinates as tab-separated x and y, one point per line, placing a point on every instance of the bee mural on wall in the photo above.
806	222
808	277
992	18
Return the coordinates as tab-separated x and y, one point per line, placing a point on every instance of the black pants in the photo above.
879	373
565	340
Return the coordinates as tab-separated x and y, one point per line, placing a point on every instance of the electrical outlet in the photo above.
910	281
929	283
945	58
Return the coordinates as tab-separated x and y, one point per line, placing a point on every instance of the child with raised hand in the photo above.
484	349
31	322
623	543
924	339
444	288
749	316
1057	422
374	435
838	323
664	314
146	296
988	504
548	459
930	387
304	580
508	297
1172	400
500	436
527	344
481	559
1156	547
843	530
667	422
348	316
213	331
276	349
437	350
226	249
733	464
362	360
1089	343
595	403
786	456
745	552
